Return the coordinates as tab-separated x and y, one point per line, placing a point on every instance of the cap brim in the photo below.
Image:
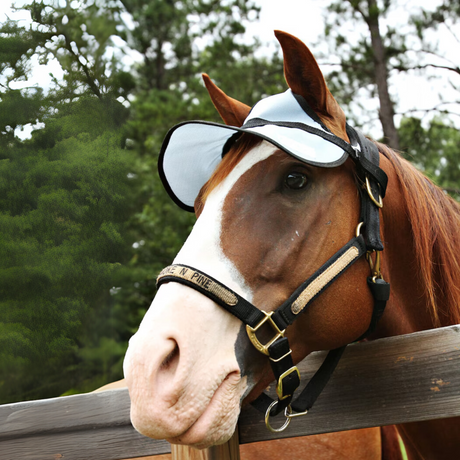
192	151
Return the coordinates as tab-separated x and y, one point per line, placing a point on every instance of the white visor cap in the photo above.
192	150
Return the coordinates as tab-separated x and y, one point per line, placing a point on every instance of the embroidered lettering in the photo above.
195	277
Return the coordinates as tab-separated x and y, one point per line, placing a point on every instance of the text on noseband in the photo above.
200	280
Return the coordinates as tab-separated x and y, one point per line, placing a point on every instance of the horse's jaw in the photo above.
183	367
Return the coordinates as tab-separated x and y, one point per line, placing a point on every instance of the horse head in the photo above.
274	204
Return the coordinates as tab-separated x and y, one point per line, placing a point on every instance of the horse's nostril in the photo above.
173	357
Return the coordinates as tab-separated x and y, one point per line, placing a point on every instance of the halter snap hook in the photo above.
375	265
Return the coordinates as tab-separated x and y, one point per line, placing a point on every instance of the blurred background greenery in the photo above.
85	225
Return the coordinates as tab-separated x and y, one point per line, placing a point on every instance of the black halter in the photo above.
367	241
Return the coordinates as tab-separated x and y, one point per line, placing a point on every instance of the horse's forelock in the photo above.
244	144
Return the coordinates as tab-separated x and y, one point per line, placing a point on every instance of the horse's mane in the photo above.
435	220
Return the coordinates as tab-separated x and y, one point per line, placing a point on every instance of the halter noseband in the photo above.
366	241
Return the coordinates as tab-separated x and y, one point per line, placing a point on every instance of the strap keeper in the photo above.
282	357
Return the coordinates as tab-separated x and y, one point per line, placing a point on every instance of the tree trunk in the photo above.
386	112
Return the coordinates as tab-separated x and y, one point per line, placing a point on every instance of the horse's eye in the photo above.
296	181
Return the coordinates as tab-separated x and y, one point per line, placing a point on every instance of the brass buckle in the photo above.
379	203
263	348
279	385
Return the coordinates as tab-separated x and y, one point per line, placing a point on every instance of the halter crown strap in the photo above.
374	184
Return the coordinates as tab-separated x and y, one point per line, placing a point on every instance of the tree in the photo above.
63	207
368	61
434	150
87	224
66	196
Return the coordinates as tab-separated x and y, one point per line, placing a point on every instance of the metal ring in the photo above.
267	420
289	414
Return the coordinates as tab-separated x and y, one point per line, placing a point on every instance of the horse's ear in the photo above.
305	78
233	112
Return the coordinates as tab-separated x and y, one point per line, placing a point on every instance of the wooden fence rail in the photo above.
394	380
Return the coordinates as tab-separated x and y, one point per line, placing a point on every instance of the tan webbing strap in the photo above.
326	277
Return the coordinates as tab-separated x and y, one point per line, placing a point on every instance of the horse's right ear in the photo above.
233	112
304	77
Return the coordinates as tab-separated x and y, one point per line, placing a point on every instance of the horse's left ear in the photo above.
233	112
304	77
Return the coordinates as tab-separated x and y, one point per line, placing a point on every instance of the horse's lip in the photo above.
188	432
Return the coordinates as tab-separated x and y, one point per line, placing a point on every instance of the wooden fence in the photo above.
393	380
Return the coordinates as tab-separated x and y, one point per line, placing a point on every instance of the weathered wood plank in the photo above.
77	412
110	443
227	451
393	380
80	427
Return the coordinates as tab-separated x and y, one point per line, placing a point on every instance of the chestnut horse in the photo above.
267	220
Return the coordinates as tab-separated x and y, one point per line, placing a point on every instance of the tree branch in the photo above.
452	32
451	190
436	108
92	84
422	50
436	66
356	7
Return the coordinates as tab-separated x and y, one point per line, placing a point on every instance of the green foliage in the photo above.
64	203
85	223
179	40
435	150
79	35
20	108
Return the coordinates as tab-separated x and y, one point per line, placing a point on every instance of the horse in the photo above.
273	210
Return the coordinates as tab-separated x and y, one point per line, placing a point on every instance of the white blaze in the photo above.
196	399
202	249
